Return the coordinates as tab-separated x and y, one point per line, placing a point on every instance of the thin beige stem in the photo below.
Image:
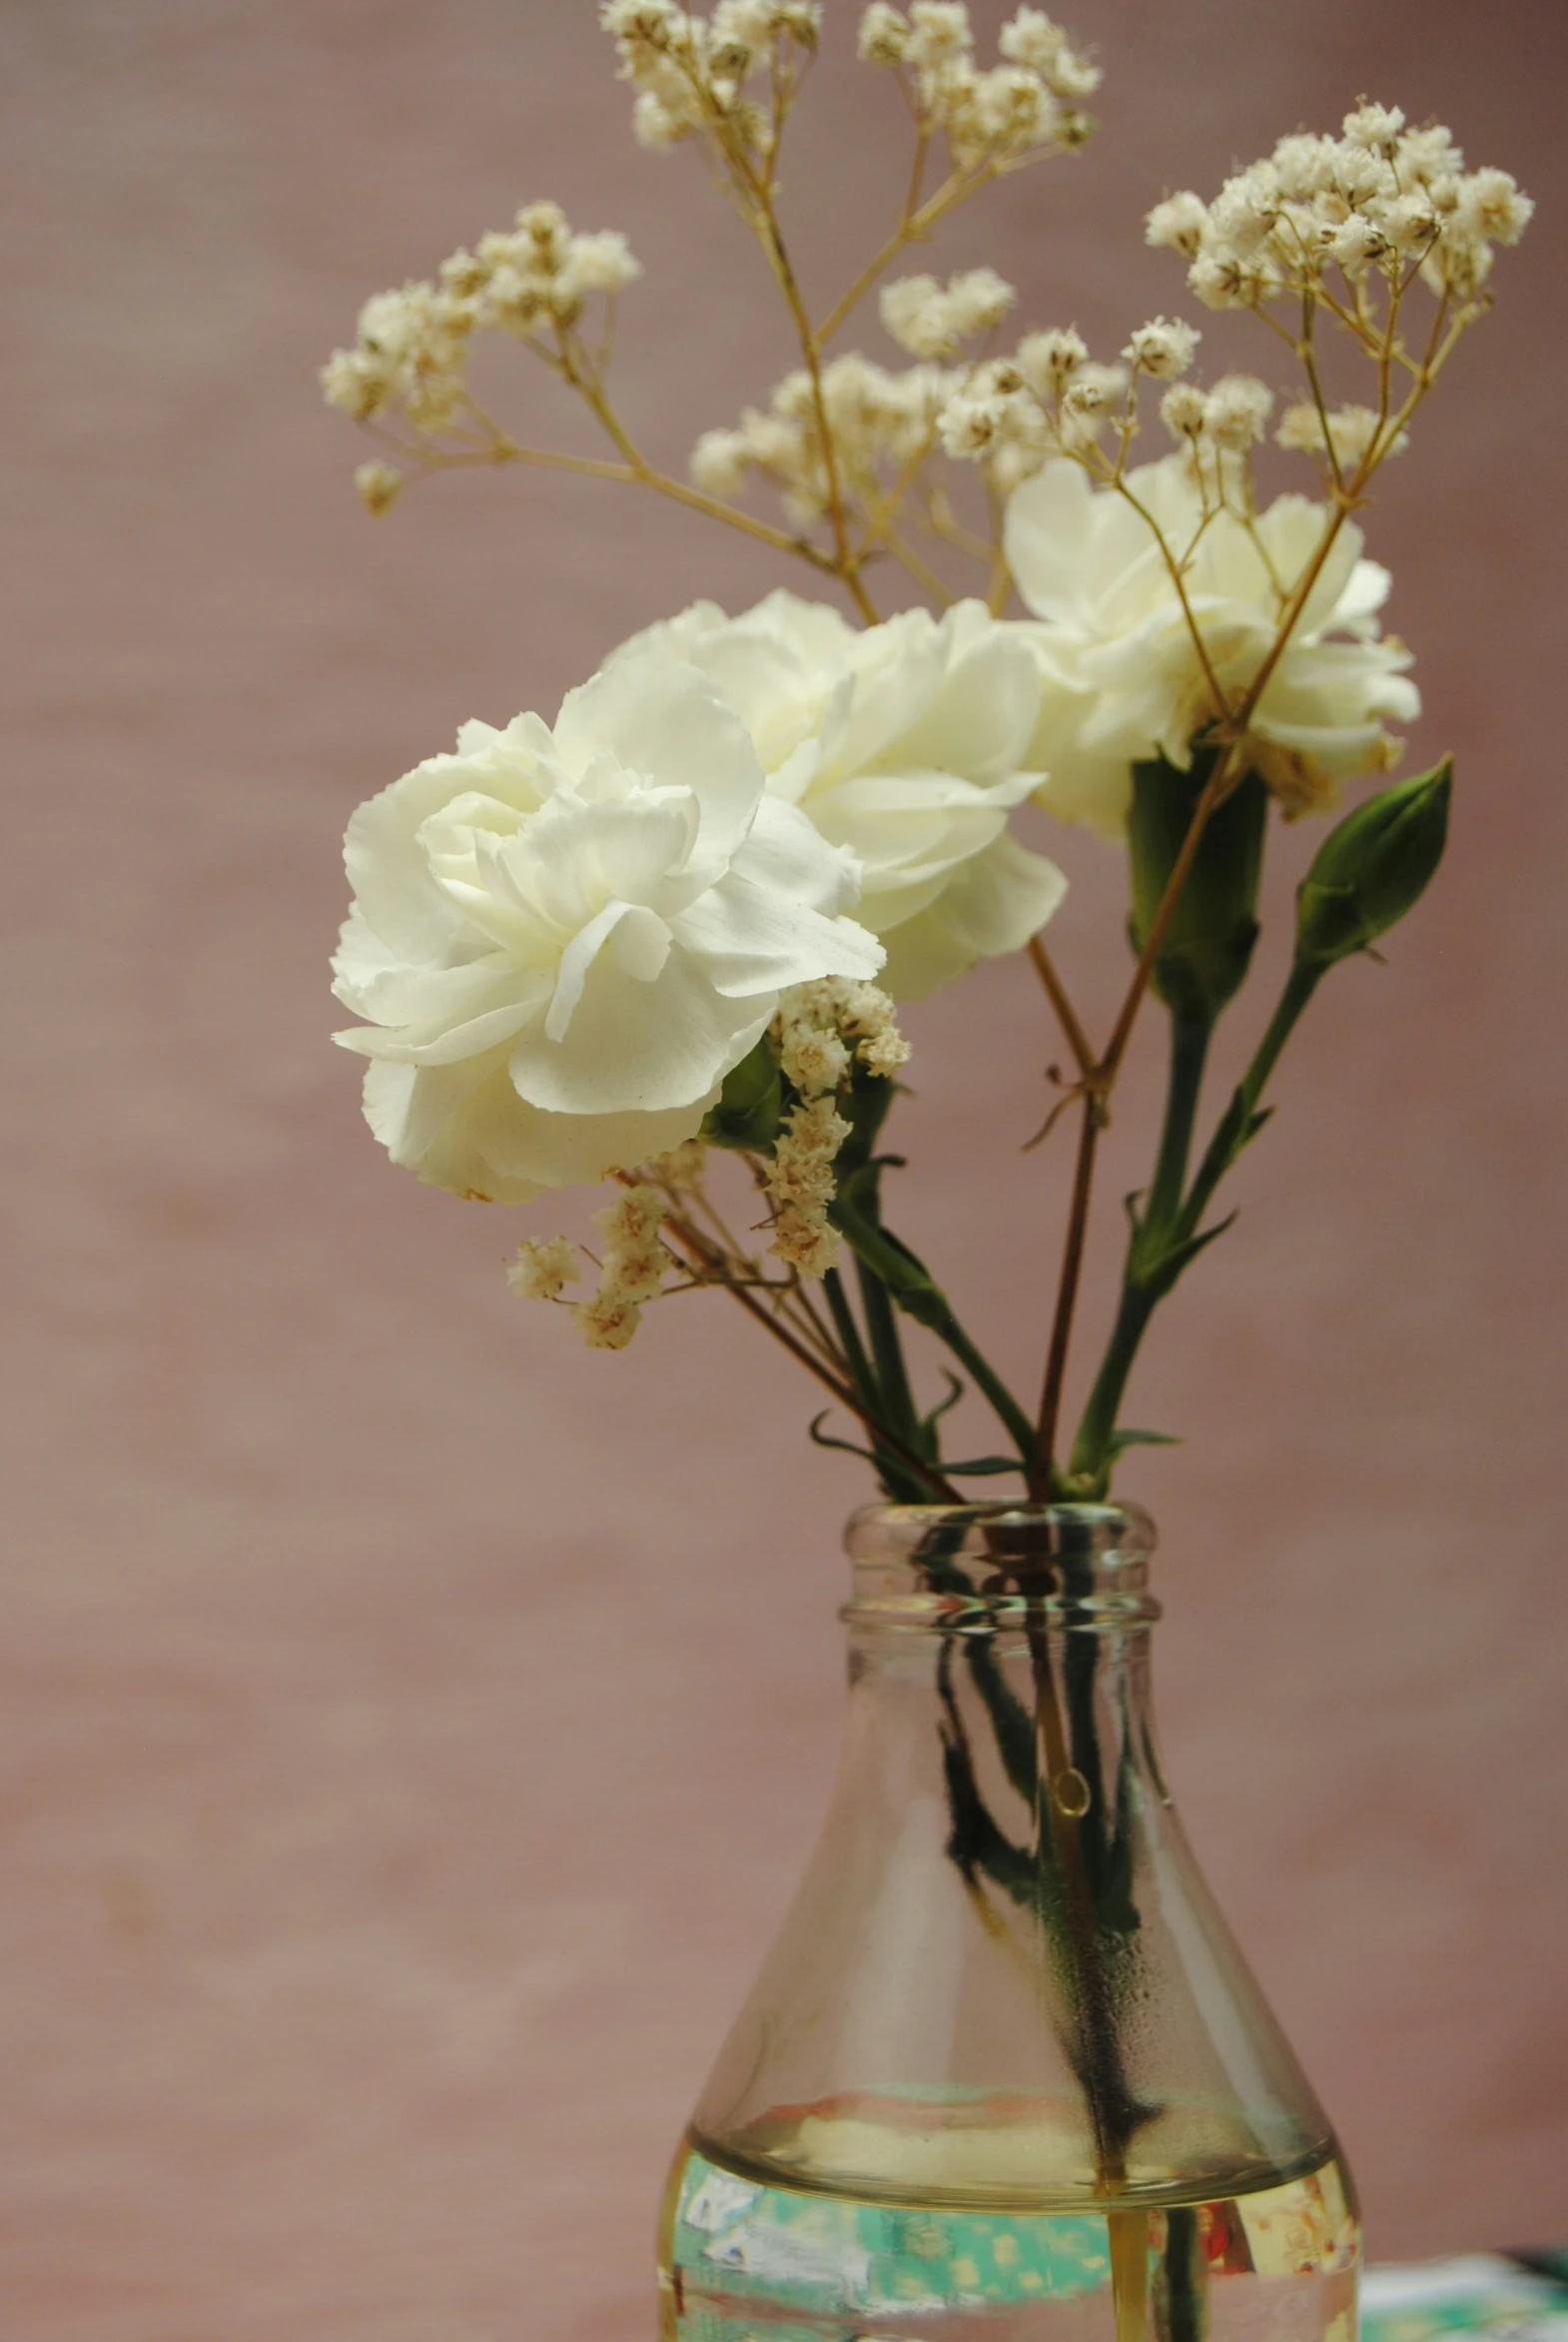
923	576
1067	1016
913	228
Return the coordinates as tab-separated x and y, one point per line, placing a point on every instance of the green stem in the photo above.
1165	1238
897	1480
888	1351
1092	1447
1189	1038
1233	1130
948	1330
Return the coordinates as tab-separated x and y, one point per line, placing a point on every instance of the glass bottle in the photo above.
1005	2073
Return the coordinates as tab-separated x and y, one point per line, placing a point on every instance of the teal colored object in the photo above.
1483	2293
789	2245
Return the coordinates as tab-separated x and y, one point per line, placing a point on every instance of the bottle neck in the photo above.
1001	1573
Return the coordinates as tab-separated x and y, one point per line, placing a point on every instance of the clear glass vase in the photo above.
1005	2072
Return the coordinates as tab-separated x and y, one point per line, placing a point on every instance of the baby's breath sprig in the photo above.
844	443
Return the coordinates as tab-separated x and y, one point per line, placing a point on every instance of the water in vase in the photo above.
928	2258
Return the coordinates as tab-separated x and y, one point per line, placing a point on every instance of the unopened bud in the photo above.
1373	867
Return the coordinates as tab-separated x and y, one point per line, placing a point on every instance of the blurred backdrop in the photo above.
411	1725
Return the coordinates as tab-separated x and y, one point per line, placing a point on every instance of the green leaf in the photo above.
1120	1441
1156	1275
979	1467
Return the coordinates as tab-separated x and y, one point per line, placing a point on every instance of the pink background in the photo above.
410	1724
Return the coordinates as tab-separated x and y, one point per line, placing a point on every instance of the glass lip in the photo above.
990	1528
995	1567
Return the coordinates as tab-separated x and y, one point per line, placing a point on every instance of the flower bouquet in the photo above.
1005	2068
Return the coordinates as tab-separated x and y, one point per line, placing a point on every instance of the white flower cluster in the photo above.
1028	102
878	420
1121	677
412	354
1381	196
563	940
690	73
538	275
819	1030
631	1269
823	1029
1049	398
931	320
905	747
1346	434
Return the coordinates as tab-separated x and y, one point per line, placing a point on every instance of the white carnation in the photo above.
562	941
1120	675
905	745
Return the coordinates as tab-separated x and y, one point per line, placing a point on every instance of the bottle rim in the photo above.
990	1568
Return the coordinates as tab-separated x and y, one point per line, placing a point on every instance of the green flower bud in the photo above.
1207	946
1373	867
751	1104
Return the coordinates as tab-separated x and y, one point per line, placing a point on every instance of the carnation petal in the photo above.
664	722
639	1047
752	941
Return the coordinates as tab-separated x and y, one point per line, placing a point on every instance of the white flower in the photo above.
930	320
1374	127
884	35
1163	348
1490	204
1236	411
380	485
720	462
1121	677
904	744
1048	361
602	262
563	941
538	1272
1179	223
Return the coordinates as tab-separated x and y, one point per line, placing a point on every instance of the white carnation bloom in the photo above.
563	941
907	745
1122	678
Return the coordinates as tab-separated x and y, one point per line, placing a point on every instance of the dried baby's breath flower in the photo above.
1304	165
799	1180
1353	430
379	485
682	1167
1163	348
1236	411
1032	40
720	463
538	1272
1184	411
1048	361
939	32
1491	205
929	320
884	35
1179	223
1374	127
632	1272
